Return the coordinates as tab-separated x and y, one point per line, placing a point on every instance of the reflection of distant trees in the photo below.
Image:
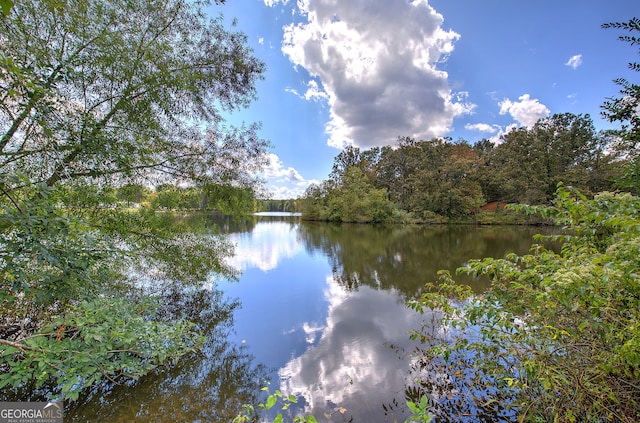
227	224
405	257
210	385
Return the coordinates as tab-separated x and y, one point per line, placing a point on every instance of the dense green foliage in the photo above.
352	199
557	336
101	99
223	198
113	89
209	384
440	180
5	6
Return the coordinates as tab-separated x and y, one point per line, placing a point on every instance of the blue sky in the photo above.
362	73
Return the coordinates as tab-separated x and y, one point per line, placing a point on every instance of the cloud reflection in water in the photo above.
352	369
265	246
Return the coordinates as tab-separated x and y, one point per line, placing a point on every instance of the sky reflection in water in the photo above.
324	342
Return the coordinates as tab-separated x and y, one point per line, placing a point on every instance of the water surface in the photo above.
318	312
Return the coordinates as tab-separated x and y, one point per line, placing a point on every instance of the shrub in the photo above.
557	336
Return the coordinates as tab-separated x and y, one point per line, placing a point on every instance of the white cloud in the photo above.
274	169
260	40
293	175
279	192
283	182
483	127
526	111
376	61
497	138
271	3
313	92
574	61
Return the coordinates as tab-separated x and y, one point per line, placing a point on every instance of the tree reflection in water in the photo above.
210	385
405	257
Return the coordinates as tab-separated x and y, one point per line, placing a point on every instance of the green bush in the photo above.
557	336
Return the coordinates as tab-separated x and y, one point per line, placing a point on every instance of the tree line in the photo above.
227	199
287	205
440	179
166	196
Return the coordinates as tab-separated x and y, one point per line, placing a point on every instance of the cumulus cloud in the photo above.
526	111
275	169
283	182
574	61
377	63
284	192
483	127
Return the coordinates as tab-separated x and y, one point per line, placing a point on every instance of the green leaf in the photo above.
412	406
6	6
271	401
4	381
424	402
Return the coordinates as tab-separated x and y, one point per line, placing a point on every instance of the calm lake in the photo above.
318	311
